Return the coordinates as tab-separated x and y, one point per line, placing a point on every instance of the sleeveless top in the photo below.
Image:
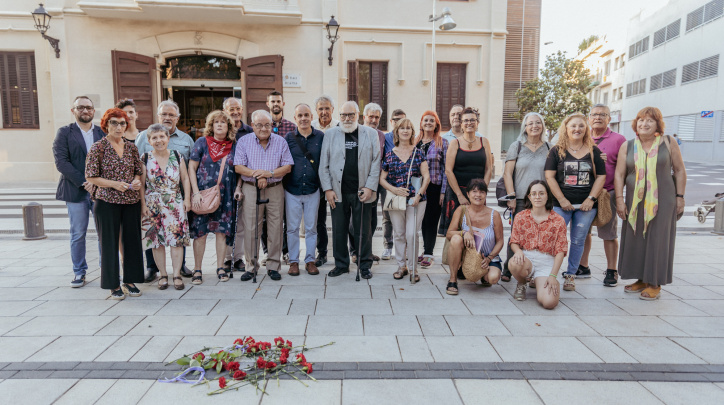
488	235
470	164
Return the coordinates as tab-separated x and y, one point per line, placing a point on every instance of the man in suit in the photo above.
349	173
70	148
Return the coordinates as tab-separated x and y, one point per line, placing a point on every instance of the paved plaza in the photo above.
393	342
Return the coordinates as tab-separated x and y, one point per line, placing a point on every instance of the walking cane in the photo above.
359	244
259	202
414	246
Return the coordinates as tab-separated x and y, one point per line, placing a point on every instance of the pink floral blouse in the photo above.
104	162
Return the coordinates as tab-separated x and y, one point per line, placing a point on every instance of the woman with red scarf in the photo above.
212	153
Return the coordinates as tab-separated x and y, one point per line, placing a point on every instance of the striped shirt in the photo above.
251	154
487	234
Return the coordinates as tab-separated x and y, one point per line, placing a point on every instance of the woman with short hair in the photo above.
210	152
539	243
399	166
479	227
164	204
114	167
654	200
129	107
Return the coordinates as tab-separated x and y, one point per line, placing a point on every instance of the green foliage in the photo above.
585	43
559	90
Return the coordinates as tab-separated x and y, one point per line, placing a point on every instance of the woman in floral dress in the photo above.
209	152
166	201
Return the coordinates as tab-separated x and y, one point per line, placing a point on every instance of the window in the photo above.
702	69
695	128
607	68
18	90
663	80
704	14
623	56
367	83
450	90
605	98
638	48
667	33
620	93
635	88
615	64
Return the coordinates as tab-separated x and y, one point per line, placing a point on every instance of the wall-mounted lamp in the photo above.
42	23
332	28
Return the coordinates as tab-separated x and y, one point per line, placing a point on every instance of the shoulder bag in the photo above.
211	197
395	202
604	213
500	190
472	260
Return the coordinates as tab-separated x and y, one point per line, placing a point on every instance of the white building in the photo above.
673	64
200	51
605	59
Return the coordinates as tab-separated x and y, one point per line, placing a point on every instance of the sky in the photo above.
567	22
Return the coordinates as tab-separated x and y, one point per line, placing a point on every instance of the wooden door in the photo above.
367	83
450	90
134	77
261	75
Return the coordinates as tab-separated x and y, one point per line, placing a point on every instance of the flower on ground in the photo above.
300	358
222	382
232	366
289	344
279	342
239	342
199	355
307	367
239	375
270	365
284	356
260	363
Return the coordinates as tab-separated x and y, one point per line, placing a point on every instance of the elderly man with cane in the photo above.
262	161
349	173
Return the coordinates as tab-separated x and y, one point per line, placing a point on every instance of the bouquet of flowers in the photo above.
246	362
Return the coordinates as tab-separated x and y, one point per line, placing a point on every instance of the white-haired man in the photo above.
168	114
349	173
264	158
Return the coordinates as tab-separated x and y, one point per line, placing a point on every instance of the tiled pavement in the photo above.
394	342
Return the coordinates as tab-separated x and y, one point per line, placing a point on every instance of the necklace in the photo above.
470	143
575	150
536	146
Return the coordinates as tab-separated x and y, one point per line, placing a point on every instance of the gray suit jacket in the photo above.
333	156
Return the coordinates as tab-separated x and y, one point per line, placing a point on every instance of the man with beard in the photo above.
233	107
168	114
263	157
324	105
349	173
70	148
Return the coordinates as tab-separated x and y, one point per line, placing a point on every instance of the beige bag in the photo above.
211	197
604	213
395	202
472	259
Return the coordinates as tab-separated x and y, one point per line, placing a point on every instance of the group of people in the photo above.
255	184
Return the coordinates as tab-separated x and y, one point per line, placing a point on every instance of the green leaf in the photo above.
218	367
183	361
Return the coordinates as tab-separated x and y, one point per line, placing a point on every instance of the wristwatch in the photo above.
592	198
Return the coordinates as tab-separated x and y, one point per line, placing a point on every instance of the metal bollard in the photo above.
719	217
33	221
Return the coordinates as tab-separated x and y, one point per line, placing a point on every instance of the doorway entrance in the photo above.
196	103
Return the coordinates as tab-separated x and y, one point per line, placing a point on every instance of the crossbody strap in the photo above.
409	171
306	153
221	170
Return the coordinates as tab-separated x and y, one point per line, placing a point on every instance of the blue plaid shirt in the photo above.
436	164
283	127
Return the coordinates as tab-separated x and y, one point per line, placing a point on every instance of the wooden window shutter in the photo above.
352	81
262	75
134	77
378	89
450	89
19	90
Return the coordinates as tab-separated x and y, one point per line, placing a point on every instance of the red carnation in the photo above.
222	382
260	363
283	358
249	341
300	358
270	365
232	366
307	368
289	344
238	342
199	356
279	342
239	375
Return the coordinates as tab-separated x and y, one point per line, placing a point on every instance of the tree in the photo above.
585	43
560	90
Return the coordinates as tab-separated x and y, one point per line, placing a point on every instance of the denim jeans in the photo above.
579	230
296	207
78	212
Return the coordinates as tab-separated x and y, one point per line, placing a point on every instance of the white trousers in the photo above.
405	227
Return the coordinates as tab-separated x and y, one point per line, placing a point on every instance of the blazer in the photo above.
69	152
331	164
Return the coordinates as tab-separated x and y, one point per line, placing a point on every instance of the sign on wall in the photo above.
707	114
292	80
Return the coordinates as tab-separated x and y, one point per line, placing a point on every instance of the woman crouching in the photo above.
539	243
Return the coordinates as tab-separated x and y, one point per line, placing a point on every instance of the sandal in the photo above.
427	262
178	286
652	293
420	258
401	272
452	288
417	277
506	275
222	275
196	279
164	285
636	287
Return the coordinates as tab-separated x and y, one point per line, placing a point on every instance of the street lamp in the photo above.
332	28
447	24
42	23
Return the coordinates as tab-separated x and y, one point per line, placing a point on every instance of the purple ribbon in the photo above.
182	377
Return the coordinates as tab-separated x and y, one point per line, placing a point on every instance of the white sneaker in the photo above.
386	254
286	258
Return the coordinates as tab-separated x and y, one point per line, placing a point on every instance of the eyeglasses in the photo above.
347	115
263	126
167	115
117	123
84	107
472	121
599	115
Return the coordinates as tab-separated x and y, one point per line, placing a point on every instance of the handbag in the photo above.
395	202
668	146
500	190
472	260
211	197
604	213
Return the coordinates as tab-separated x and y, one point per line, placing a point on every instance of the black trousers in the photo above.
351	209
519	206
322	236
431	218
113	222
353	242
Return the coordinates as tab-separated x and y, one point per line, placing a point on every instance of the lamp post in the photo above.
42	23
446	25
332	29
